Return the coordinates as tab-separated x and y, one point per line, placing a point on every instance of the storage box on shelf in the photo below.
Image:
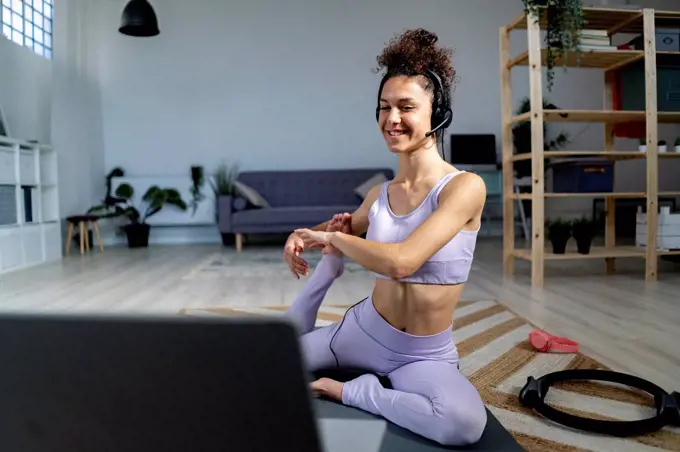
583	177
30	231
667	230
616	112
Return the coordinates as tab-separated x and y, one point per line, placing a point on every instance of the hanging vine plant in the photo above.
565	20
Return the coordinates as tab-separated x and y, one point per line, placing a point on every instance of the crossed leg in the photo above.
430	398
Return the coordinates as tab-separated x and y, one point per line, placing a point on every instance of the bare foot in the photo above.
327	388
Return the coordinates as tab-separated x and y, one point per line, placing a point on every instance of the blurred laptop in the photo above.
78	383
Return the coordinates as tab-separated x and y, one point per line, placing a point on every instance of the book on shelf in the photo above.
608	48
596	39
595	33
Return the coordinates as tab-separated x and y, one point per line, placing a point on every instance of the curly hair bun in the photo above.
421	37
415	51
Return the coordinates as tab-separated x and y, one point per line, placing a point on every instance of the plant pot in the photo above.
677	148
663	148
224	210
583	245
642	148
559	244
137	235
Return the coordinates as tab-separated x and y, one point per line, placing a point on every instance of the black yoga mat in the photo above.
397	439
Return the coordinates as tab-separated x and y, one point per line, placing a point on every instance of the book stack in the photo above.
596	40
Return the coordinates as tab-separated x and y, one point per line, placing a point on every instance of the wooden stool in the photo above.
83	222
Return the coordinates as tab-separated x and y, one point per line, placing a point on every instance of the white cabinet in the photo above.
7	166
27	167
52	237
11	252
30	230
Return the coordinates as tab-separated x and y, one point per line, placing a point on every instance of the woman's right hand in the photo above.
291	254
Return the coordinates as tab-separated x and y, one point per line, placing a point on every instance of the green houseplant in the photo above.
559	233
155	198
642	145
521	137
662	146
197	183
108	208
583	230
564	20
224	188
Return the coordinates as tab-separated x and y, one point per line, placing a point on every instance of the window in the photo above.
28	23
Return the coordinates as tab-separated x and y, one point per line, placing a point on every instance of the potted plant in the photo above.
583	230
677	144
521	137
197	182
662	146
109	208
642	147
565	21
559	232
224	188
155	198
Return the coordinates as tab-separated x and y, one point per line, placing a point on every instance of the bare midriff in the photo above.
417	309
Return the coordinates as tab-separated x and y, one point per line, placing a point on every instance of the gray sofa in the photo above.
281	201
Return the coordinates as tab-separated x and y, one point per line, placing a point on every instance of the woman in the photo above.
421	231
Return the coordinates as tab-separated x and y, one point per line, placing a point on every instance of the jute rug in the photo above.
497	357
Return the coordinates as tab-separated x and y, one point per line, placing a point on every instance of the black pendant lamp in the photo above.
139	19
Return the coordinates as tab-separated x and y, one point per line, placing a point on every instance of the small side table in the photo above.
83	223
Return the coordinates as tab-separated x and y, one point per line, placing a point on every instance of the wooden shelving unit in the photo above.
644	21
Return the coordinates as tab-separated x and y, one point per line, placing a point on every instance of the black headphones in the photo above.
442	116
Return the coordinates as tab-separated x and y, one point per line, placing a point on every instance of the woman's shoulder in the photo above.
463	184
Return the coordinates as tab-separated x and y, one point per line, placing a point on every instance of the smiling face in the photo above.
404	115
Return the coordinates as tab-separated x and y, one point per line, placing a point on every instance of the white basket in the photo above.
667	231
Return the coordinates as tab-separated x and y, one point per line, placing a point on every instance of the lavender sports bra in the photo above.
450	265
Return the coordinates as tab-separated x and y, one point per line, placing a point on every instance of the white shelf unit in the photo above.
30	229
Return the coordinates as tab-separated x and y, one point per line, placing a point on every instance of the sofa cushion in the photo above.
363	189
250	194
294	217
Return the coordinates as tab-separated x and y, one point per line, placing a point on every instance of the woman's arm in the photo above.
359	216
294	243
460	201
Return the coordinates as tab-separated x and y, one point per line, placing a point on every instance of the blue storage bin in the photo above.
583	177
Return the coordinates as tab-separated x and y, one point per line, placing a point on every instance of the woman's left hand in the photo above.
314	239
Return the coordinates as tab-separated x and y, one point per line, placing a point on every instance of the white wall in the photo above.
77	129
278	84
25	90
57	101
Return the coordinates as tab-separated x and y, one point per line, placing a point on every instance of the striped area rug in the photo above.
497	357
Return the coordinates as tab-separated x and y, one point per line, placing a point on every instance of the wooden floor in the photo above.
619	319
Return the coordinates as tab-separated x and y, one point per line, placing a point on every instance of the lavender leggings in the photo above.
430	396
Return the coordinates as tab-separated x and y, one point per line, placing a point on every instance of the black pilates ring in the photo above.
667	405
